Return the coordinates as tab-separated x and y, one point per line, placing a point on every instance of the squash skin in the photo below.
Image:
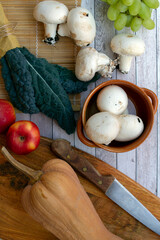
59	202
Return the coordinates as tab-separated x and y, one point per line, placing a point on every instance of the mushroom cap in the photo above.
112	99
102	127
131	127
86	64
127	44
50	12
81	25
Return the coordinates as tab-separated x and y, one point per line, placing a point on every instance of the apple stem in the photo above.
32	174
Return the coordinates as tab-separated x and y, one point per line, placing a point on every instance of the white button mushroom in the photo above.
127	46
80	26
112	99
102	127
89	61
50	13
131	127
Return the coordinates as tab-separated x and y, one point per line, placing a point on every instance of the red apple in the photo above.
7	115
23	137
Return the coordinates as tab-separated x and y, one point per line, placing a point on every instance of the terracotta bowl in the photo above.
145	102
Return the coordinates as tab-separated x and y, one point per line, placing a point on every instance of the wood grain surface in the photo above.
15	224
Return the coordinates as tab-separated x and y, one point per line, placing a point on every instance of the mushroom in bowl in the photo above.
89	61
102	127
110	123
80	26
139	125
127	46
112	99
51	13
131	128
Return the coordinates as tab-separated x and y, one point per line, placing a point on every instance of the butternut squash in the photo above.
57	200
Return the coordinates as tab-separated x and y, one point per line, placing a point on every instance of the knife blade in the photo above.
108	184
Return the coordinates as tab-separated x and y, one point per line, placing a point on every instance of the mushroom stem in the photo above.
103	60
50	33
125	63
29	172
63	30
51	13
127	46
106	66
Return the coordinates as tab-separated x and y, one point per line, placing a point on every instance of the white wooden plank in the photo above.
90	6
104	34
108	157
22	116
126	162
44	123
146	77
158	91
58	132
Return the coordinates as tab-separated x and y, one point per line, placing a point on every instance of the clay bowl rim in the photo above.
137	142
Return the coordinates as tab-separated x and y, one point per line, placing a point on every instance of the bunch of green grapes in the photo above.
131	13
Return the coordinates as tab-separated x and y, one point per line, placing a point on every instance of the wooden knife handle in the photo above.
64	150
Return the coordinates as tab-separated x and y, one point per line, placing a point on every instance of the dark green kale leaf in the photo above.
36	88
66	77
18	82
70	83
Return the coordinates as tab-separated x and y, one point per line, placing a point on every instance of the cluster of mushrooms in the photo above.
112	122
79	24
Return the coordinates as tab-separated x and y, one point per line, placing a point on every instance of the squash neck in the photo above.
29	172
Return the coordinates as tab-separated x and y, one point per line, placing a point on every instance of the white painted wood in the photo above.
126	163
44	123
158	90
22	116
58	132
147	77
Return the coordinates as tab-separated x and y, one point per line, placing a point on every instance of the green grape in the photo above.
131	13
129	19
112	2
148	23
136	24
152	3
121	7
120	22
135	7
127	2
144	12
112	13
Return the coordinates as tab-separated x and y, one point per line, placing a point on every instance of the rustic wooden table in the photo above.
142	164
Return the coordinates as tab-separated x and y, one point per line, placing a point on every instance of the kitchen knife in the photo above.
108	184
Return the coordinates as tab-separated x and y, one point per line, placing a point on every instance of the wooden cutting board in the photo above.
15	224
